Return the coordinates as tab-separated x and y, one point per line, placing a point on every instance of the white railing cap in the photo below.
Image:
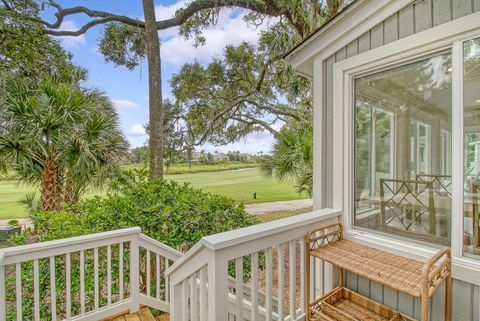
242	235
48	245
231	238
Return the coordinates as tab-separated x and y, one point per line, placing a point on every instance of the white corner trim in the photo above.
448	35
358	19
318	137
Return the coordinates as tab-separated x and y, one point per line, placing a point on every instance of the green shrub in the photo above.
175	214
13	223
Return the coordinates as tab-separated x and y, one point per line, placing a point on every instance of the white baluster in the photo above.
193	298
268	299
302	275
120	271
95	278
2	293
82	282
36	292
53	289
157	276
147	264
109	275
167	281
184	301
68	285
203	294
239	287
292	249
18	290
254	279
281	279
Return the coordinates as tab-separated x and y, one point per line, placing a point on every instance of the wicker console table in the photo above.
418	279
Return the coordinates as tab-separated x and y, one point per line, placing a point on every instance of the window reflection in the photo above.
403	150
472	146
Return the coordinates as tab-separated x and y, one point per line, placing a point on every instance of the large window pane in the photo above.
403	150
472	146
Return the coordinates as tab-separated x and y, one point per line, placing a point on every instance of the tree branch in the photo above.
181	16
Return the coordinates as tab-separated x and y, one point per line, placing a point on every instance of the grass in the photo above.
185	168
237	184
11	195
263	218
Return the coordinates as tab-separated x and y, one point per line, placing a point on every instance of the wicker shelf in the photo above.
418	279
341	302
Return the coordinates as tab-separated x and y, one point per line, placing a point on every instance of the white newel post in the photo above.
217	286
134	273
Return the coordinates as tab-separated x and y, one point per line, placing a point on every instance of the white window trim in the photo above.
449	35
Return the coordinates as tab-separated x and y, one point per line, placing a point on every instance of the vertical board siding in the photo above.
352	48
438	302
405	303
376	36
376	292
466	299
442	11
476	303
364	286
406	22
351	281
463	301
461	8
390	297
364	42
416	17
390	29
423	15
341	54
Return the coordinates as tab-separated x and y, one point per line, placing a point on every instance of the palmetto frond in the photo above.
292	156
62	124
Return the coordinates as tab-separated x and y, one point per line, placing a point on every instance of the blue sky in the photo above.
129	89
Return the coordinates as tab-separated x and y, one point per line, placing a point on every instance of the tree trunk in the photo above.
71	194
155	91
48	198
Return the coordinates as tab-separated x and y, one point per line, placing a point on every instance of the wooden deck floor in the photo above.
144	314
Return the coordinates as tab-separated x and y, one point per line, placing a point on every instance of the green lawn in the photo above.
238	184
11	195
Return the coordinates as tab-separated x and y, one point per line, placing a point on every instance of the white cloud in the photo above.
125	104
163	12
70	42
136	130
177	50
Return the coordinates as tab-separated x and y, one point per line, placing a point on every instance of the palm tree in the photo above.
292	156
61	136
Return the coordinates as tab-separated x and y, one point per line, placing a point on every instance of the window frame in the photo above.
449	36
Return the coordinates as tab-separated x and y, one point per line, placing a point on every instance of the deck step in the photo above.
144	314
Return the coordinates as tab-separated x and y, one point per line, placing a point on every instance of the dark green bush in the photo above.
175	214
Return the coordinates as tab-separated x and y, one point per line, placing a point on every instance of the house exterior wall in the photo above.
416	17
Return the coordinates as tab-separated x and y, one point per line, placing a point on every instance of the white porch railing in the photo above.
255	273
208	282
84	278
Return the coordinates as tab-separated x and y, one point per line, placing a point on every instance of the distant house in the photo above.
221	157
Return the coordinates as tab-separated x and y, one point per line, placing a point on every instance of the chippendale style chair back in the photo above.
407	206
